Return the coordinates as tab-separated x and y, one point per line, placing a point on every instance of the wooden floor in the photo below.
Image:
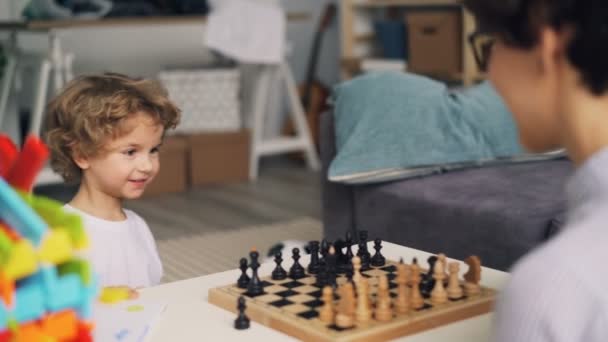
285	190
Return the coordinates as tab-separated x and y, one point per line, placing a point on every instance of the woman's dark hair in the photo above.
518	23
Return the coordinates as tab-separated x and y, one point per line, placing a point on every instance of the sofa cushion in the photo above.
394	126
498	213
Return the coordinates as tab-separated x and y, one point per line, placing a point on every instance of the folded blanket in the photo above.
395	125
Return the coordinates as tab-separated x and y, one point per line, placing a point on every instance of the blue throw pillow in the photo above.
394	125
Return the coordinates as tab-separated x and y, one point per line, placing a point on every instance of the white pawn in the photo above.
454	289
363	313
402	303
439	295
384	311
357	270
326	314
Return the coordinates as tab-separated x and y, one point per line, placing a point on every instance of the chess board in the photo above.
292	307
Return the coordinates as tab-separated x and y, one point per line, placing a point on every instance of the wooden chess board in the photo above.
292	307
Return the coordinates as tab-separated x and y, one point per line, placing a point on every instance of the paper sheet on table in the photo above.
128	321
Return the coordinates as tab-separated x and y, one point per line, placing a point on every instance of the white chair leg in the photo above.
8	81
299	117
40	100
260	102
68	67
57	61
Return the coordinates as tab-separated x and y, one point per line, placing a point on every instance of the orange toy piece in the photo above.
12	234
32	332
7	290
60	325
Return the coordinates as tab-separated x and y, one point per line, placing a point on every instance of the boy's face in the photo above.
128	163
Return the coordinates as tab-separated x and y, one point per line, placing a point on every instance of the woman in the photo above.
549	61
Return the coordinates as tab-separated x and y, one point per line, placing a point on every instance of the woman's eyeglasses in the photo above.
482	43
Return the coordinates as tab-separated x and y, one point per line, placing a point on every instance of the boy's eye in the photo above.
129	152
154	150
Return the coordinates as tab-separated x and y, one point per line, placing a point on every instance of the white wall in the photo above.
145	50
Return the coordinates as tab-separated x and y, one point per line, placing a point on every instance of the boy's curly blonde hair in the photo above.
92	109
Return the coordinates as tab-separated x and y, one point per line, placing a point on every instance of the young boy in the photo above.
549	61
104	131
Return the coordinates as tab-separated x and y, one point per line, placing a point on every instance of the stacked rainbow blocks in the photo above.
46	288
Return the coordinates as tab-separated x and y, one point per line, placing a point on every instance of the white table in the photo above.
189	316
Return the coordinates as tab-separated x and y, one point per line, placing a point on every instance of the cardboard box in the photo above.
218	157
435	42
172	176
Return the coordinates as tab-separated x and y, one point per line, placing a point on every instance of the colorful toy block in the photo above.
8	155
7	290
29	162
32	332
22	261
56	247
77	266
19	216
60	325
30	303
46	293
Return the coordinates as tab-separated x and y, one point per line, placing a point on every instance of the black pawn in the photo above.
278	273
331	268
242	321
363	251
341	260
349	245
296	271
378	259
324	248
364	257
244	278
322	278
428	282
313	267
255	287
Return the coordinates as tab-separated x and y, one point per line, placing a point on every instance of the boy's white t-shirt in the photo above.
123	253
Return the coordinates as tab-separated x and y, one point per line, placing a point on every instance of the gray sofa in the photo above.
498	213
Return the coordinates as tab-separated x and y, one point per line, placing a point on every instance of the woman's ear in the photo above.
553	47
549	50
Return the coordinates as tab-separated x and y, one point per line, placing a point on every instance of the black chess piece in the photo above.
321	277
363	252
378	259
278	273
244	278
255	287
313	267
341	260
331	267
296	271
242	321
324	248
349	245
427	283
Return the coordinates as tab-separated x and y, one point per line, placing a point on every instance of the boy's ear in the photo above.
80	160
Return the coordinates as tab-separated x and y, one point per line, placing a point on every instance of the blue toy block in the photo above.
3	316
29	303
19	216
89	293
66	293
